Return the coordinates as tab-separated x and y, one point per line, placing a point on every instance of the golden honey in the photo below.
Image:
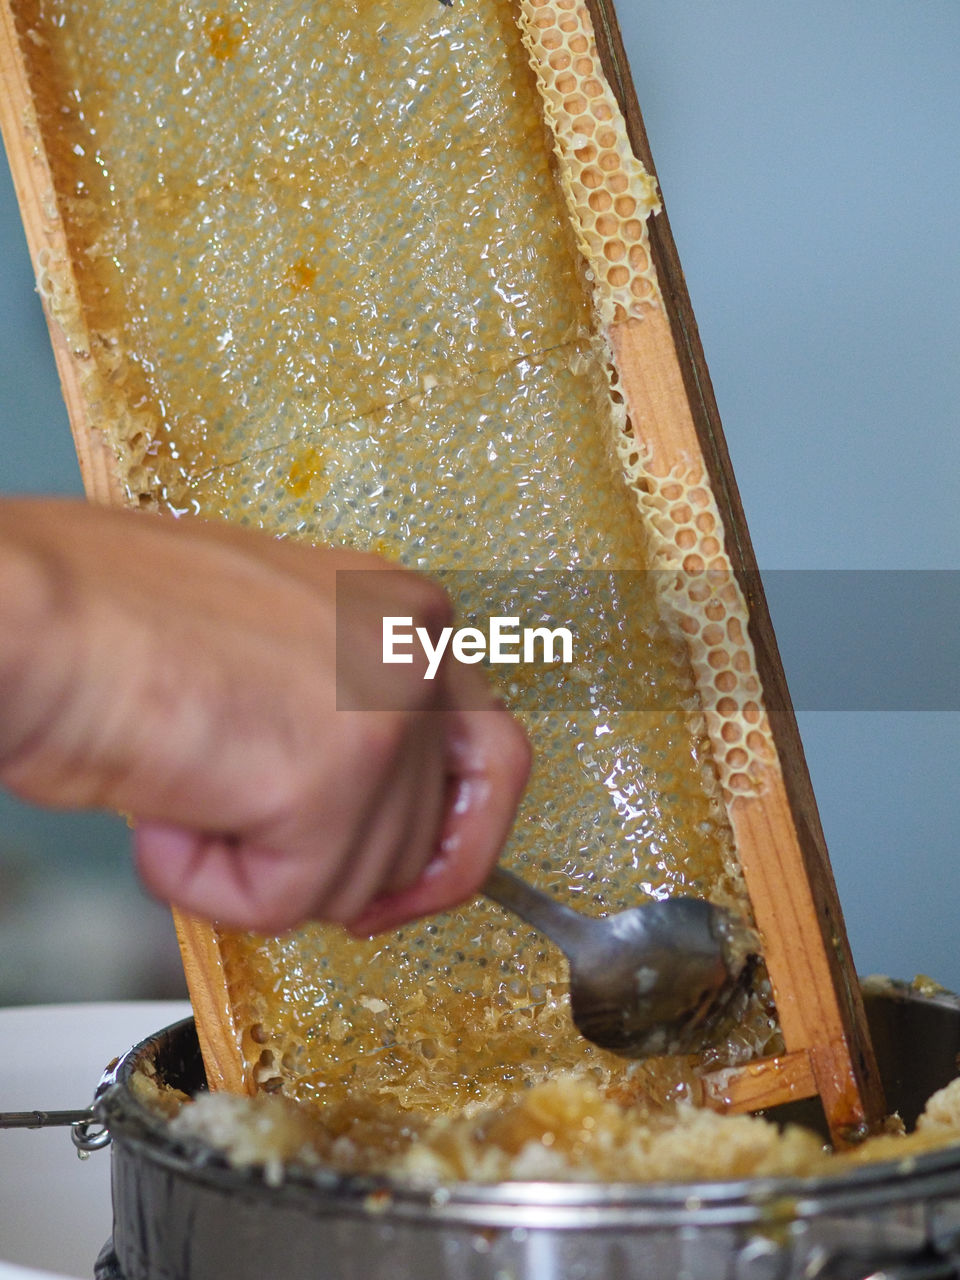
345	269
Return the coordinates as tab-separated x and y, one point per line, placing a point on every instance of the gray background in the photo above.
808	158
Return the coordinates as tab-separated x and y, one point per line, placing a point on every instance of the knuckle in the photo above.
412	690
269	917
342	909
279	921
516	753
473	874
376	739
346	898
295	898
279	792
429	604
384	737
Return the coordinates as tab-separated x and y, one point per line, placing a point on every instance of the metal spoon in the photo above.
657	979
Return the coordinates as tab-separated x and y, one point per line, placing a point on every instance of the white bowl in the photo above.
55	1212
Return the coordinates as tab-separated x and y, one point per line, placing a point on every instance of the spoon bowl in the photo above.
663	978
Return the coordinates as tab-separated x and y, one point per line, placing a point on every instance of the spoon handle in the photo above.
560	923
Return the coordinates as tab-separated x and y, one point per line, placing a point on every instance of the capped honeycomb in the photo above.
699	591
344	271
608	191
610	196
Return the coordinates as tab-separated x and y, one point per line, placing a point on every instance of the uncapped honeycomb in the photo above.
344	271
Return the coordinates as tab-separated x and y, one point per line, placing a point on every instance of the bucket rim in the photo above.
135	1128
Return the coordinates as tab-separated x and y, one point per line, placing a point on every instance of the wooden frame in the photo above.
777	829
779	837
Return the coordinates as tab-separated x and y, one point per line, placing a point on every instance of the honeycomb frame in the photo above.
94	381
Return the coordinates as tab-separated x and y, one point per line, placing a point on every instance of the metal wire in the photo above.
43	1119
86	1132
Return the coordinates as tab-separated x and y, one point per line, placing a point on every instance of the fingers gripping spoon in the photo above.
656	979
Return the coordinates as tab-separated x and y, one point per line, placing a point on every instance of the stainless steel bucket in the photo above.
181	1214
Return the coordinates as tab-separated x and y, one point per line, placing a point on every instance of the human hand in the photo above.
186	673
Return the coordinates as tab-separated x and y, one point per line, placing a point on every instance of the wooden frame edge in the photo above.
778	833
102	483
212	1006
